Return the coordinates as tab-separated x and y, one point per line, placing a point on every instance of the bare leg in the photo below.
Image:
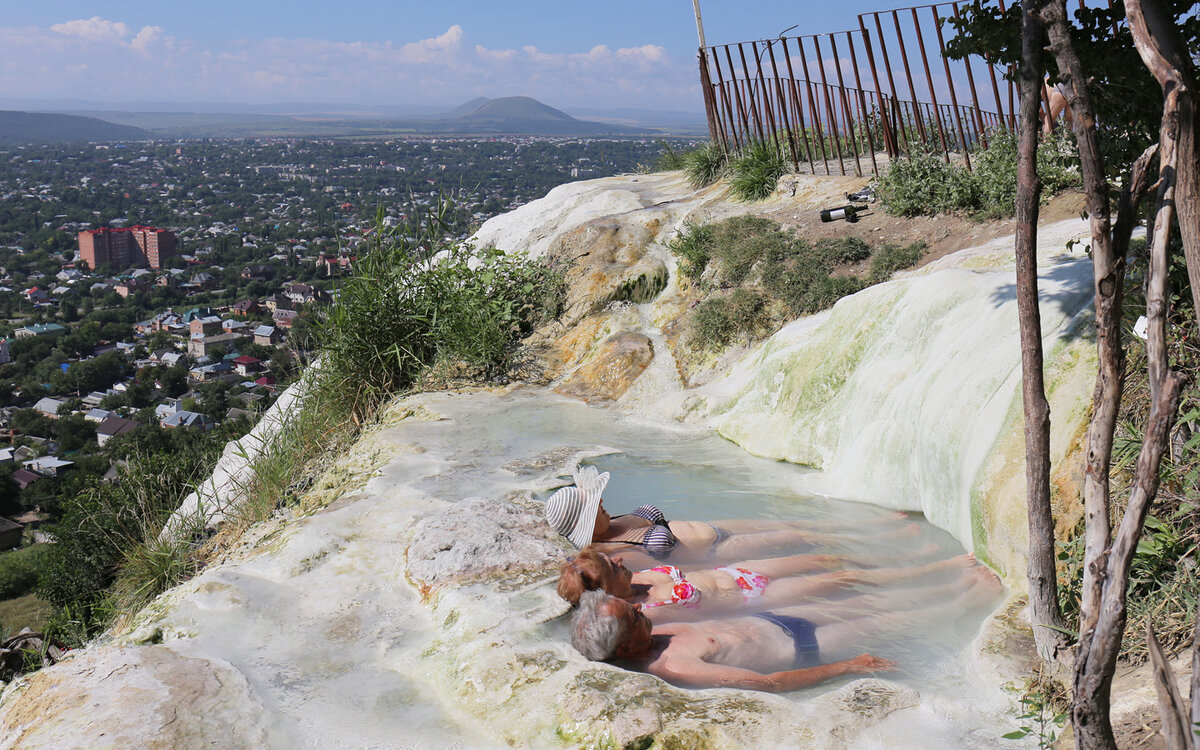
842	638
792	565
784	591
741	546
899	600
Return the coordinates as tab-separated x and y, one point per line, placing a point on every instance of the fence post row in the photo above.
767	103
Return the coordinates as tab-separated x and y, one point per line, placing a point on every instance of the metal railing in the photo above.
807	93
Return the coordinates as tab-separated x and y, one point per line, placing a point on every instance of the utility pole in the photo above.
714	132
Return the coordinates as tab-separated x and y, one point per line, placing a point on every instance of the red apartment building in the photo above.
125	247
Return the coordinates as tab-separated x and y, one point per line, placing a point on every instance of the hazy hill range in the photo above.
41	127
515	115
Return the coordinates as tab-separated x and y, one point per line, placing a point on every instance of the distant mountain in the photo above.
463	109
518	115
517	108
514	115
41	127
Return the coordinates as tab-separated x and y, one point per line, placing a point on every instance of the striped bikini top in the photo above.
657	539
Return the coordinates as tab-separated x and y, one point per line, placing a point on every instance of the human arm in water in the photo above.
691	671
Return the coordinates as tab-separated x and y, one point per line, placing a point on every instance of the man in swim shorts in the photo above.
773	651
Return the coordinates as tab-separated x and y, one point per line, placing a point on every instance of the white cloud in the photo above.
441	68
93	29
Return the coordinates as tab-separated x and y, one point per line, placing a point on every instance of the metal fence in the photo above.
812	97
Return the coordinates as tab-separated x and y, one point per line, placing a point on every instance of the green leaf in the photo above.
1021	733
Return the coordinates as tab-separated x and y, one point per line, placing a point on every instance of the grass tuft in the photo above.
754	173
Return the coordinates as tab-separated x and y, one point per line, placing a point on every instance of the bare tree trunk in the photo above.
1100	640
1176	728
1048	622
1108	270
1176	71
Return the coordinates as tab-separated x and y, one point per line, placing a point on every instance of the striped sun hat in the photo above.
572	510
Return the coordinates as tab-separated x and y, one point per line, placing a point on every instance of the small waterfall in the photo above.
900	393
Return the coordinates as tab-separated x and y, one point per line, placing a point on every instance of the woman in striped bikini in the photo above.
577	512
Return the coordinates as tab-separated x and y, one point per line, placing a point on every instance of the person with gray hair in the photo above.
772	651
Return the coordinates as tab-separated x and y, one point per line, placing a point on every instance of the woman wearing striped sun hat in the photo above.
577	512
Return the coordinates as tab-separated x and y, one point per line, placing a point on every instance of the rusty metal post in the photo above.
862	103
962	135
728	104
978	109
737	95
937	110
709	104
912	89
754	112
829	111
787	123
887	66
812	104
787	58
768	110
849	119
889	137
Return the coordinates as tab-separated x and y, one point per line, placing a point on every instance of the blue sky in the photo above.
618	53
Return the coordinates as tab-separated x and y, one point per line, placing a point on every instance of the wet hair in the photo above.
585	572
595	631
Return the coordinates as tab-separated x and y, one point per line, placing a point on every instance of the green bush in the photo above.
926	185
734	246
108	523
891	258
705	165
19	570
718	322
417	298
754	173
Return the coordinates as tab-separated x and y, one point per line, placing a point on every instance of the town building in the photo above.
133	246
39	329
113	426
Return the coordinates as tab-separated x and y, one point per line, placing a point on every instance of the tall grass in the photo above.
415	298
706	164
754	173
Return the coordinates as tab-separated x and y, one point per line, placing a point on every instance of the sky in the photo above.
566	53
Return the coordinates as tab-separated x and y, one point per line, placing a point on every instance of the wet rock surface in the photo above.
619	360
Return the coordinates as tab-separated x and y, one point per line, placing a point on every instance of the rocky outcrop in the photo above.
616	364
415	599
147	697
480	539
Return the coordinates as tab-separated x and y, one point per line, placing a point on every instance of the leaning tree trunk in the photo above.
1047	617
